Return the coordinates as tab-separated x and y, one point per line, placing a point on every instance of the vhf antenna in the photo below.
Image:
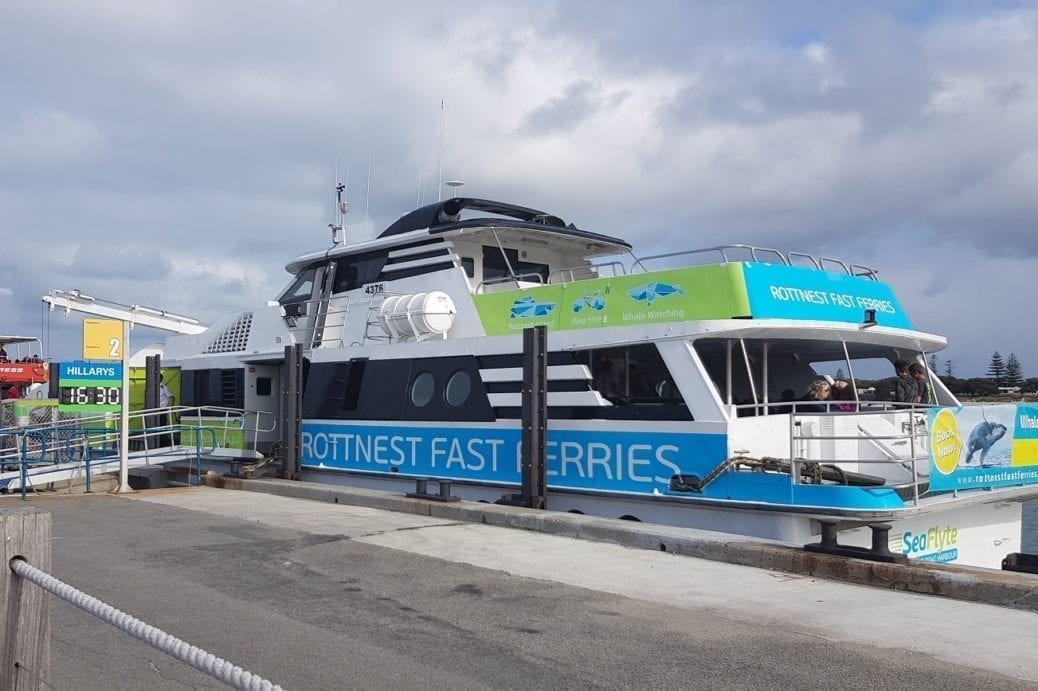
342	207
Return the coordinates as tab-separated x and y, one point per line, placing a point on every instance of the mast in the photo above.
341	208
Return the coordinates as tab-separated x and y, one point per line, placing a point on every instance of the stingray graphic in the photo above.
982	438
528	307
651	291
595	302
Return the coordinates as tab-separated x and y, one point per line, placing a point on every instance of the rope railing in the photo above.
210	664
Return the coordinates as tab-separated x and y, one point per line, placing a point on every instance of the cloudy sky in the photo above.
176	153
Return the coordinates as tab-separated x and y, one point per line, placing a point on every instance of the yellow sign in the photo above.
103	339
945	441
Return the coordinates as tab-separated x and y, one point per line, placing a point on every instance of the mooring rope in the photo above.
216	667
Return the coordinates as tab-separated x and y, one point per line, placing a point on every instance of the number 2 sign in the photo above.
103	339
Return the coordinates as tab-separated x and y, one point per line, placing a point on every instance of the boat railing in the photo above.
733	253
532	278
807	441
569	274
912	432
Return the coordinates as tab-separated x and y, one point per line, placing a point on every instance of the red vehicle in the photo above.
21	364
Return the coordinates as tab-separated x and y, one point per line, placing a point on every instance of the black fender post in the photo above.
534	415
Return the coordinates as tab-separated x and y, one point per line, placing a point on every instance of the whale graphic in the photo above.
982	438
528	307
650	291
595	302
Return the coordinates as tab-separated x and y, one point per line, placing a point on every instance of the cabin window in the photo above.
631	375
422	389
459	386
469	264
301	290
264	386
750	372
357	270
495	266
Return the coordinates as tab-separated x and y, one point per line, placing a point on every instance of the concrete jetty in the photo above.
333	595
1010	589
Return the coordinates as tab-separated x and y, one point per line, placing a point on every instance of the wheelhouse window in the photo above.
356	270
301	289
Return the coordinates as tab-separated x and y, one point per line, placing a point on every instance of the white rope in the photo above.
216	667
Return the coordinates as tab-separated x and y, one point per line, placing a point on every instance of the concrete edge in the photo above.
1004	588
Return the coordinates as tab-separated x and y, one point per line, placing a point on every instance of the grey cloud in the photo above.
200	133
580	100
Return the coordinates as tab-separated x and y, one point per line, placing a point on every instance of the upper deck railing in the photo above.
759	254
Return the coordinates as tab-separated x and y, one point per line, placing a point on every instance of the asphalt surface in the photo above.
351	597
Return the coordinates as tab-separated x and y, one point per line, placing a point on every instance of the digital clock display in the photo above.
89	395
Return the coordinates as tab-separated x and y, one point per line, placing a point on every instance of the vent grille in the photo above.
234	338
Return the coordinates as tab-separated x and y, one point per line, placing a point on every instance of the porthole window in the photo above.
422	389
459	386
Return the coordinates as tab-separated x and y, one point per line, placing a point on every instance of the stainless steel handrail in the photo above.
509	278
755	252
616	267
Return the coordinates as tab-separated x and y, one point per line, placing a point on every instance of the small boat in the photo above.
22	365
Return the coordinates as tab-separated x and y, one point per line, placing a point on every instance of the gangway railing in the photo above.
64	449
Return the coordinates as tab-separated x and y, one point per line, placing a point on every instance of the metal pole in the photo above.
534	416
124	417
291	412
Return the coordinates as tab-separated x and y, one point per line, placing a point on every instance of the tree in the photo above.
997	369
949	368
840	374
1014	375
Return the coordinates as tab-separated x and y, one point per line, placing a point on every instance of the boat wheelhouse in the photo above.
672	381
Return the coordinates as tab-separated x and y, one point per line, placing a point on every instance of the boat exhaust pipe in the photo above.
450	212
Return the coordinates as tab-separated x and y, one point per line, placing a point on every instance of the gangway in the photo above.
37	455
74	300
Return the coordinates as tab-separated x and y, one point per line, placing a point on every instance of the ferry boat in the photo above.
23	368
672	382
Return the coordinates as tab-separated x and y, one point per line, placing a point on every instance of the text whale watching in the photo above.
715	388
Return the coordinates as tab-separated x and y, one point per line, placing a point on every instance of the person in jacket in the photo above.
906	390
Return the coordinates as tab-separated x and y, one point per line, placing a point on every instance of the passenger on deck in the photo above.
3	354
842	391
918	373
819	393
906	390
13	393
